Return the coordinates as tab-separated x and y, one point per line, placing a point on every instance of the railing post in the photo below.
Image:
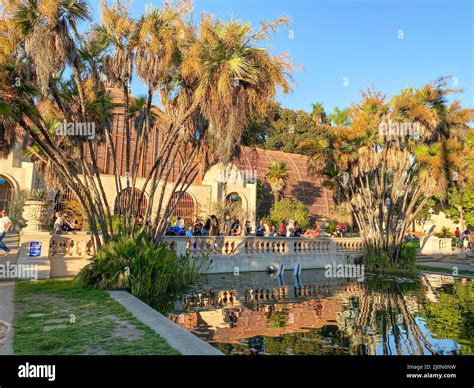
181	243
290	245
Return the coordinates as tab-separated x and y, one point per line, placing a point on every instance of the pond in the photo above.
262	314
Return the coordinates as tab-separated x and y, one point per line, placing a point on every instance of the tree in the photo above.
276	176
391	159
288	209
212	78
461	206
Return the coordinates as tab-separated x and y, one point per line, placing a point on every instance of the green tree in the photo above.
287	209
461	206
212	78
277	176
387	178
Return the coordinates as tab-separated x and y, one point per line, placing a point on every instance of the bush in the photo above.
331	228
286	210
150	272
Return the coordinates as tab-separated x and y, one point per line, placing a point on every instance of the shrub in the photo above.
331	228
151	272
287	209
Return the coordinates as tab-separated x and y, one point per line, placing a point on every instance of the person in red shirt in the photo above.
283	229
457	234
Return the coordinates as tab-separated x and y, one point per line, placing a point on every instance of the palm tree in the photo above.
277	176
235	81
387	180
318	114
212	78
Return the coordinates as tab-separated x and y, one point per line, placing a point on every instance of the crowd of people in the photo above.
232	226
61	224
465	239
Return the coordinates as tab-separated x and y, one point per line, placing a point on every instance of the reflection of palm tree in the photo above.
277	176
378	310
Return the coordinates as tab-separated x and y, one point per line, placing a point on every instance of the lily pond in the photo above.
262	314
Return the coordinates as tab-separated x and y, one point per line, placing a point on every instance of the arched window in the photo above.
6	193
123	200
233	198
185	206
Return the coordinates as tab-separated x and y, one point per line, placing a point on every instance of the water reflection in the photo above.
259	314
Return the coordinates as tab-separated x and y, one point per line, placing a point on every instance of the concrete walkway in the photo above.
11	241
7	287
6	318
177	337
447	265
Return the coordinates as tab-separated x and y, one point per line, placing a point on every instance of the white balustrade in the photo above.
71	245
251	245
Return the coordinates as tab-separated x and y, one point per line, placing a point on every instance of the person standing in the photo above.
58	223
228	225
206	228
215	229
247	229
5	225
457	235
283	229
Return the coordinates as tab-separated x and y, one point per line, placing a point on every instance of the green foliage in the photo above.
221	209
461	199
331	228
16	206
383	261
287	209
425	211
151	272
285	129
452	316
38	195
445	232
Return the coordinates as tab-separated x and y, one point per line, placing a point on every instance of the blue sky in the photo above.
346	46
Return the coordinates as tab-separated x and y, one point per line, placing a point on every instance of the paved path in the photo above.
6	318
177	337
11	241
7	287
447	265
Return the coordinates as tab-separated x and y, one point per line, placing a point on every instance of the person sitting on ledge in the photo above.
313	233
297	230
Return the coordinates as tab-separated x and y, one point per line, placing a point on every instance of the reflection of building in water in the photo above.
376	317
433	282
264	320
265	294
211	299
315	290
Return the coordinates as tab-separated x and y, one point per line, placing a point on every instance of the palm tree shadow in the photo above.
307	192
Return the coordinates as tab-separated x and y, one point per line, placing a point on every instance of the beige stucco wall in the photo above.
19	172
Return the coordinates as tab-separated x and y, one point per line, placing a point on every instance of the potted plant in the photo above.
36	211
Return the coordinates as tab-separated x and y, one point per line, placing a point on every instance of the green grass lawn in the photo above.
56	317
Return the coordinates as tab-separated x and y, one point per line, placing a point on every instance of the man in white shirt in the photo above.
5	225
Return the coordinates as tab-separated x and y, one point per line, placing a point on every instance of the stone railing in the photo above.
71	245
436	246
275	246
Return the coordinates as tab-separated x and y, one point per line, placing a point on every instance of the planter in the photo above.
36	214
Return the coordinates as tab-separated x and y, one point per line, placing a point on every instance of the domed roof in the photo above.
300	185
